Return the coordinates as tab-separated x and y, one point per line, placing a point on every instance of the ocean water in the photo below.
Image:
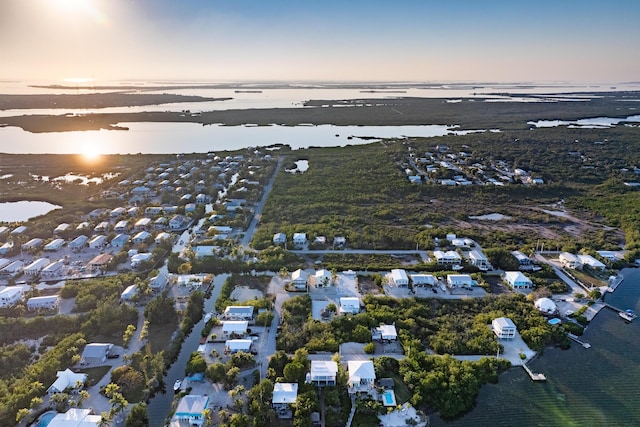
599	386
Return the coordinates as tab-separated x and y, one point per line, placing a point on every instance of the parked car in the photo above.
113	356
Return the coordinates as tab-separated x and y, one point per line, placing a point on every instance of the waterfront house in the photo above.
590	261
570	260
517	280
10	296
504	328
67	380
323	373
546	306
362	376
76	417
191	409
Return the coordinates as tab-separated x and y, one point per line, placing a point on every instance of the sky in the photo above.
326	40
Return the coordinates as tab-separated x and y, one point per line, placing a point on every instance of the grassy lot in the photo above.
94	375
587	278
160	336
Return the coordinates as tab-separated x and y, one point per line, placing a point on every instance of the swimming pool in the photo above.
389	398
46	418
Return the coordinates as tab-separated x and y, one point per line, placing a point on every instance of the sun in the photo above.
90	154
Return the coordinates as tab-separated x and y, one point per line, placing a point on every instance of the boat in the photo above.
628	315
207	317
177	385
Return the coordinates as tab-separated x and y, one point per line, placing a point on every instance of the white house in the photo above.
142	224
423	279
178	221
504	328
190	410
78	243
36	266
13	269
52	270
10	296
478	259
162	236
323	373
517	280
447	258
238	327
133	211
4	262
158	283
238	312
349	305
161	223
362	376
98	242
299	239
54	245
279	239
129	293
546	305
121	226
284	395
456	280
339	241
102	227
18	230
387	332
120	240
76	417
138	258
570	260
299	279
523	260
141	237
33	244
591	262
67	380
399	277
153	210
115	213
235	346
47	302
323	278
6	247
61	228
95	353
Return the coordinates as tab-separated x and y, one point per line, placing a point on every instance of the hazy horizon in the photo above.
330	41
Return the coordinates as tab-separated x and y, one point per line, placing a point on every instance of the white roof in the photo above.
239	309
320	274
96	350
545	305
323	368
299	275
235	326
38	264
67	379
421	279
399	275
285	392
75	417
237	345
11	291
591	261
349	302
45	300
504	322
143	235
515	276
361	369
388	331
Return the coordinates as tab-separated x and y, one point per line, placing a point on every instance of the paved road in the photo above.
423	254
248	235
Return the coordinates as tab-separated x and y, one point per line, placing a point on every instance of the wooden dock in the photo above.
576	339
534	376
